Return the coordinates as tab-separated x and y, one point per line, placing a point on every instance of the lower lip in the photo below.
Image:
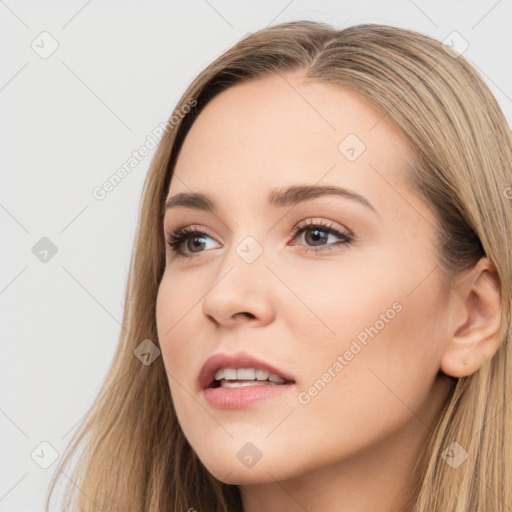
237	398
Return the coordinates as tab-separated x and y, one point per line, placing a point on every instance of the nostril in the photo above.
244	313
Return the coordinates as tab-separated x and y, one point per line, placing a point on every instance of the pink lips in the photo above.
230	398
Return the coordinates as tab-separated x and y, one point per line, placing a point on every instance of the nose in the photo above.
240	293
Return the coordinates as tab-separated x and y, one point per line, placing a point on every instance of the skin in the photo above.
354	445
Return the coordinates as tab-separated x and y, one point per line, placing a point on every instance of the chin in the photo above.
230	468
236	474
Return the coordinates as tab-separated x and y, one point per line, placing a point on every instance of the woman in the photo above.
259	372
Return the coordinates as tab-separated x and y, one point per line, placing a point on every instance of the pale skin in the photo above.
352	447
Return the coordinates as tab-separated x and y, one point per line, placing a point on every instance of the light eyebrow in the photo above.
277	198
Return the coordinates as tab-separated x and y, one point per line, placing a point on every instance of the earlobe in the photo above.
473	335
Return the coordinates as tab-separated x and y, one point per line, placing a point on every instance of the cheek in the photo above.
328	303
383	322
378	370
175	308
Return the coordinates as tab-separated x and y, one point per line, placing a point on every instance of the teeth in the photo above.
276	379
248	374
262	374
229	374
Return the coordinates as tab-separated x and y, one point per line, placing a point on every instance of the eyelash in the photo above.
177	237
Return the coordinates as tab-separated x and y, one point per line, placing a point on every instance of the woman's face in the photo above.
341	293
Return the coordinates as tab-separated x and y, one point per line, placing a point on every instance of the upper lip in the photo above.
238	360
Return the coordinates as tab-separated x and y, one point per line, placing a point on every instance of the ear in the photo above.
474	325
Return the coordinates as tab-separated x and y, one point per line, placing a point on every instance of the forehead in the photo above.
280	130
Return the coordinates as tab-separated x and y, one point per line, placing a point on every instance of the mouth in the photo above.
240	370
240	380
242	377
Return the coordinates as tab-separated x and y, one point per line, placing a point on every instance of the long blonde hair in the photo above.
132	454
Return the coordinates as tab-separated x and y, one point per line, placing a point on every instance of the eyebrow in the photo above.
280	197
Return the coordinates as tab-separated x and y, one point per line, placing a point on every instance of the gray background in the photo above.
68	122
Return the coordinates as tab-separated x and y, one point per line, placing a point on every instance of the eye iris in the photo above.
196	245
315	235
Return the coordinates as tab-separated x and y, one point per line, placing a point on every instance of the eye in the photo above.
182	236
316	233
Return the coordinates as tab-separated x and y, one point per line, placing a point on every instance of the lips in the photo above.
214	363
